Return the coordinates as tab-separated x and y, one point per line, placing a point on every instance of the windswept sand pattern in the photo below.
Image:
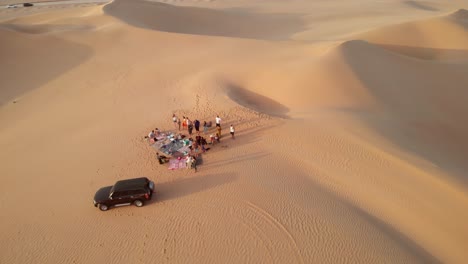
350	120
280	228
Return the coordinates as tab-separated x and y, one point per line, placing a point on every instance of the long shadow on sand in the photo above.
243	137
183	187
256	102
205	21
238	159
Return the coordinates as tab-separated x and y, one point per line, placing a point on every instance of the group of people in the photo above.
197	145
189	125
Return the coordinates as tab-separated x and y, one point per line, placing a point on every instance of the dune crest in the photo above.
440	39
460	14
204	21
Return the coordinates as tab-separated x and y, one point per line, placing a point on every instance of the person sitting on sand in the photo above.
151	134
157	133
204	149
194	163
161	158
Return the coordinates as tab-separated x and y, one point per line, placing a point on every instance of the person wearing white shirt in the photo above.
231	129
218	121
174	120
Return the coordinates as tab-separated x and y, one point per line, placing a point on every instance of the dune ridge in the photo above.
204	21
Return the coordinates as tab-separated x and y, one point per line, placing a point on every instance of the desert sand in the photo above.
351	123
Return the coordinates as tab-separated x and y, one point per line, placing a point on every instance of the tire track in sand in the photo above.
280	227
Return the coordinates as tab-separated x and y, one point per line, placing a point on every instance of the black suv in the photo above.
124	192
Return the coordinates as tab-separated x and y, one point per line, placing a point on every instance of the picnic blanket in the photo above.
184	149
176	163
169	145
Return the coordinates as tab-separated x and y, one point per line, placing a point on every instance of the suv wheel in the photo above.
138	203
103	207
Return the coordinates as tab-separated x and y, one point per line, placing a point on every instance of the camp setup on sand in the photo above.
174	145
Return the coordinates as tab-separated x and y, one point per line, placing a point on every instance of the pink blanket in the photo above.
175	163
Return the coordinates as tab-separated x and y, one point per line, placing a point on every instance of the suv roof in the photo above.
131	184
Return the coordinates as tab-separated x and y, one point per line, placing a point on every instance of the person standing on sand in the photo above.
194	163
191	162
189	126
188	162
178	123
231	129
218	121
197	125
184	122
205	127
174	120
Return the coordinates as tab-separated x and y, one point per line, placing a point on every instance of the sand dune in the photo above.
350	125
52	57
204	21
442	38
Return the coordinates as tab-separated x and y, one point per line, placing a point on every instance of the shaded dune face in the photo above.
43	58
426	102
449	55
460	15
204	21
255	101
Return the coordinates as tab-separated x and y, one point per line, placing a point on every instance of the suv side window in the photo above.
119	194
136	192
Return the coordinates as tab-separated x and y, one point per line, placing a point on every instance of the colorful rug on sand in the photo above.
176	163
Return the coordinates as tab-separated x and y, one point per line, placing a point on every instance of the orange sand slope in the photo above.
350	122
